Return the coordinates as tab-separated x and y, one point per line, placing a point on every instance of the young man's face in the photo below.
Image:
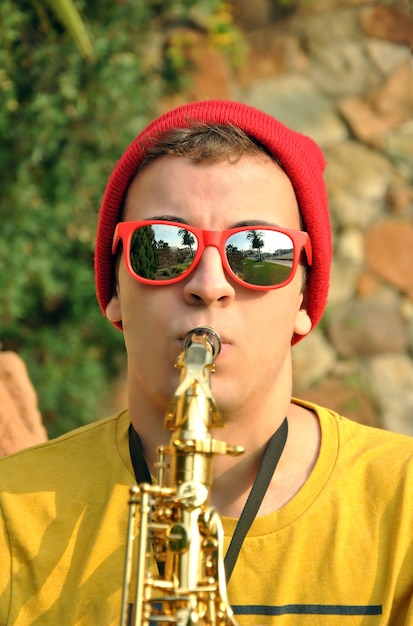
255	326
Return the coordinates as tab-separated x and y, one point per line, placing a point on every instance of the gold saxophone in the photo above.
174	570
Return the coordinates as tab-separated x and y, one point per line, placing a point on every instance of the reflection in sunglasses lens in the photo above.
161	251
260	257
257	256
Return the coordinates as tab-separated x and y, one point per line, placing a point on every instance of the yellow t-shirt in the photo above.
339	553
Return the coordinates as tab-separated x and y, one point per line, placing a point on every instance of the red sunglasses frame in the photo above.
216	238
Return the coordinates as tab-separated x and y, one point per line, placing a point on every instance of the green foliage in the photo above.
144	255
63	123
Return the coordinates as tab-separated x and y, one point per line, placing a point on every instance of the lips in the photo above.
220	347
223	337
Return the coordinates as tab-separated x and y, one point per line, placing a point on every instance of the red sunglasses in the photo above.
160	252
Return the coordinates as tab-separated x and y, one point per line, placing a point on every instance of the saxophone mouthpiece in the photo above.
206	335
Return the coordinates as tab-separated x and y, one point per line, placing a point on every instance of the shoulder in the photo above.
352	433
376	461
74	451
374	454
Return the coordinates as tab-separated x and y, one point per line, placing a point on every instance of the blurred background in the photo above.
78	81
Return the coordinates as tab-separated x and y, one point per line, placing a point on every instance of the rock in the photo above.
380	110
388	57
252	14
387	23
20	420
347	396
365	124
350	246
368	284
324	28
400	199
345	59
295	101
394	98
398	145
270	53
389	253
313	358
347	261
211	80
343	282
367	326
407	312
357	180
390	377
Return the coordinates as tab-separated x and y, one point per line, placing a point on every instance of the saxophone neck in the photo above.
193	407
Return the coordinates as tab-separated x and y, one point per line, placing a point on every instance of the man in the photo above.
217	215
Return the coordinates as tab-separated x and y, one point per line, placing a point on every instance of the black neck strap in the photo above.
140	467
269	462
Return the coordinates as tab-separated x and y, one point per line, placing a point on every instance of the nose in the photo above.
208	283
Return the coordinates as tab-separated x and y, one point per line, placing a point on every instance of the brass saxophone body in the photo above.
174	571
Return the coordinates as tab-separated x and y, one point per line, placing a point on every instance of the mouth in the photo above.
221	345
222	338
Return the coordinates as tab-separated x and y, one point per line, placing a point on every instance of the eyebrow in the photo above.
179	220
254	223
168	218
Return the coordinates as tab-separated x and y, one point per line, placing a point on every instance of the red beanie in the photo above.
300	157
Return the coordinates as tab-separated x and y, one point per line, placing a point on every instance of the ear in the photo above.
114	310
303	322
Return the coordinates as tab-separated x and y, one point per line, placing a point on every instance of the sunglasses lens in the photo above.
260	257
161	251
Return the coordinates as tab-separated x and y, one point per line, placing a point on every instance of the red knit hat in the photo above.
300	157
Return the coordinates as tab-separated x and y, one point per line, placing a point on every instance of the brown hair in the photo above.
201	142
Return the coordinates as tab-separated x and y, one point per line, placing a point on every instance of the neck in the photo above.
233	476
249	424
232	484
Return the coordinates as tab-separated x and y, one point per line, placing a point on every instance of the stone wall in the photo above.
340	71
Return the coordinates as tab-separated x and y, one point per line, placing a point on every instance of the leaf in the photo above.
68	15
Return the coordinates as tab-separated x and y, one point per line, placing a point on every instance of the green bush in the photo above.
64	120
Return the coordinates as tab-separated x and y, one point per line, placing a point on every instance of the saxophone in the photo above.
174	569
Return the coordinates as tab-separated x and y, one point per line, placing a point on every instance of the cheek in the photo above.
146	318
130	302
140	311
280	315
151	353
